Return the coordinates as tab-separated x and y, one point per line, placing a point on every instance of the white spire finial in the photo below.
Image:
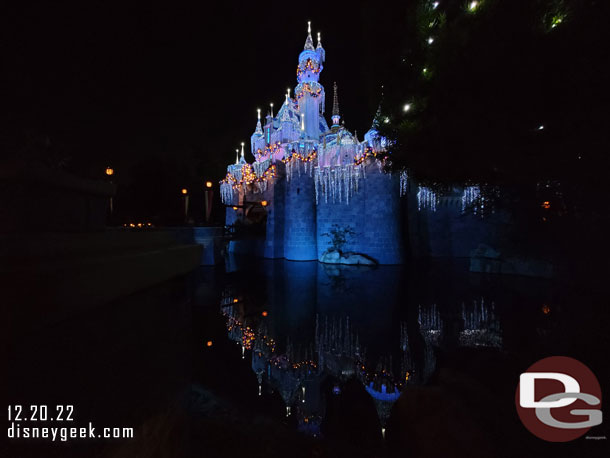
258	113
319	37
271	105
237	156
309	41
242	149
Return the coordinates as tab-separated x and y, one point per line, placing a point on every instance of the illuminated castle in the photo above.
308	177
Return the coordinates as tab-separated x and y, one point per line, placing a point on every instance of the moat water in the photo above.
328	350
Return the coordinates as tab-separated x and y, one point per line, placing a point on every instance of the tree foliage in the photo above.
500	91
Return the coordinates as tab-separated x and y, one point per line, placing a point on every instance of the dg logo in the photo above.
559	399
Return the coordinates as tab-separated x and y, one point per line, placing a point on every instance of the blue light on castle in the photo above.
313	177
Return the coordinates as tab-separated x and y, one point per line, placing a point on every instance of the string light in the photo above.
247	177
557	19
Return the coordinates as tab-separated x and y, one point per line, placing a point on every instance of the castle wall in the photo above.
374	213
300	241
383	229
448	232
343	215
276	208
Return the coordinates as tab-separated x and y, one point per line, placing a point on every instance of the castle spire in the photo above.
309	40
259	127
335	115
320	50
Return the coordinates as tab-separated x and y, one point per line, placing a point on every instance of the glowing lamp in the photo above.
184	191
540	127
407	107
109	171
546	309
235	301
235	208
473	6
264	203
265	313
208	184
430	40
546	205
209	343
435	5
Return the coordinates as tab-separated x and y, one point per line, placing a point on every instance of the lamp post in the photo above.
208	195
109	173
185	199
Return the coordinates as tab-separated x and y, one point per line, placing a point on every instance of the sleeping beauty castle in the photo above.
309	178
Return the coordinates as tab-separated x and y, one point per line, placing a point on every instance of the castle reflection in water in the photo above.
306	323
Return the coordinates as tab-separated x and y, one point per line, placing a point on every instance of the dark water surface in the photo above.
282	359
328	350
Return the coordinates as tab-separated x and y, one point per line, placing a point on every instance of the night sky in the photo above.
115	84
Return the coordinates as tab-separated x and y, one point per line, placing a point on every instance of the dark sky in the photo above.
116	83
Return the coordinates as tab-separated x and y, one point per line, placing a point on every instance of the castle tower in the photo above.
257	139
335	117
309	92
300	243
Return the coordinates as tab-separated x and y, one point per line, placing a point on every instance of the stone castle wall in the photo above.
374	213
300	237
296	224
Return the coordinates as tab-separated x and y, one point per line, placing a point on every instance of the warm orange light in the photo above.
139	224
184	191
235	301
546	309
209	343
132	225
208	184
265	313
264	203
235	208
109	171
546	204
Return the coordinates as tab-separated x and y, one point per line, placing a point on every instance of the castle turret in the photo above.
257	139
321	53
309	92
